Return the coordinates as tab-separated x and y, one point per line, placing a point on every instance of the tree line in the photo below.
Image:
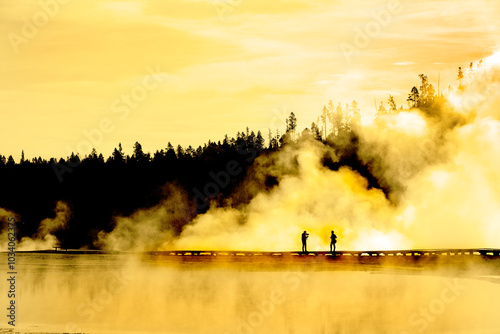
98	188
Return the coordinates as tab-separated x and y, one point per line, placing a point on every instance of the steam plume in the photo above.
44	238
439	166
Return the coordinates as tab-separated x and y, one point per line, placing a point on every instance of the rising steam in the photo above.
149	229
440	167
44	238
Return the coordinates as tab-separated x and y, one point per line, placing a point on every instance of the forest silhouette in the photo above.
97	189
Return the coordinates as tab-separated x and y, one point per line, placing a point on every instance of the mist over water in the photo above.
123	294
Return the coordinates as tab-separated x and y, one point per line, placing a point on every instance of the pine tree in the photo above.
292	125
259	141
190	152
315	131
460	78
392	104
170	152
324	117
355	118
138	154
381	111
338	120
11	161
413	98
424	85
431	93
180	152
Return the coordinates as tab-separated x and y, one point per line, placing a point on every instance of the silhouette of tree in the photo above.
226	142
190	152
315	131
259	141
118	155
431	93
413	98
292	122
199	151
170	154
159	156
180	152
251	140
347	119
38	161
331	117
74	158
278	139
138	154
324	117
93	155
10	161
392	104
291	125
460	78
355	115
339	118
424	84
470	72
381	112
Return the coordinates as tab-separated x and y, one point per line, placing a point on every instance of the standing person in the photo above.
333	241
305	235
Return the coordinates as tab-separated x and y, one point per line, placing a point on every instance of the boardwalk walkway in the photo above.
413	252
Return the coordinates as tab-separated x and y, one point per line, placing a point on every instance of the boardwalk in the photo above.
487	259
414	253
483	252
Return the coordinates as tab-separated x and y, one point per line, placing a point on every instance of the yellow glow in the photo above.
410	123
440	178
377	240
224	70
494	59
455	100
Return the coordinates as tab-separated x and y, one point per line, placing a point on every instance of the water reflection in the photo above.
103	293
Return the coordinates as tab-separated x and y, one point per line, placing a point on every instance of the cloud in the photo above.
404	63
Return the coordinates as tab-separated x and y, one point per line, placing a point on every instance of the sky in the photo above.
81	74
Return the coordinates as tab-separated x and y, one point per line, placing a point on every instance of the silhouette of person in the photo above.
305	235
333	241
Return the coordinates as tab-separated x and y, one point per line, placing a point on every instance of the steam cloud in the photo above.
5	217
44	238
441	168
149	229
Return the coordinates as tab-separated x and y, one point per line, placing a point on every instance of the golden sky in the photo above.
67	67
